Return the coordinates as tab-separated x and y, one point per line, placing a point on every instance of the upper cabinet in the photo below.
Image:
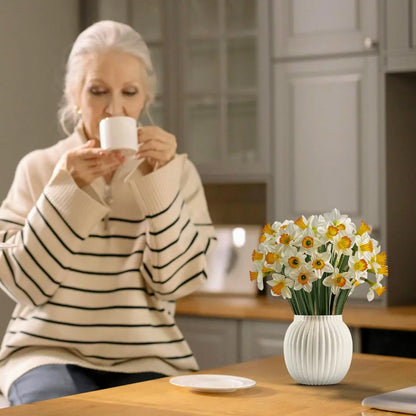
326	140
223	89
326	121
321	27
400	35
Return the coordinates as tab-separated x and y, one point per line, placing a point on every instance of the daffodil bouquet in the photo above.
315	263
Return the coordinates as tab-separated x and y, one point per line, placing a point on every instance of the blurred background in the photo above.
286	108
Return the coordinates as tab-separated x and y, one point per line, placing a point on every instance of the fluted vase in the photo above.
318	349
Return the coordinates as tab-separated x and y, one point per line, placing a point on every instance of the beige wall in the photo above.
35	38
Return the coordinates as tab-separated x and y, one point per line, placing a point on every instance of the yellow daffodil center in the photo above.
267	229
384	270
262	238
340	280
360	265
303	278
380	290
256	256
381	258
363	228
253	275
285	239
318	264
266	270
341	227
271	258
294	262
331	231
278	288
367	247
307	242
300	223
344	243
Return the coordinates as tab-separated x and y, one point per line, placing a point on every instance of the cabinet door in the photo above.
400	19
213	341
326	138
223	87
320	27
261	339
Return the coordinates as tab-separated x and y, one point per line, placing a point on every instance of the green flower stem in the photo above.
331	304
295	303
341	299
343	263
293	306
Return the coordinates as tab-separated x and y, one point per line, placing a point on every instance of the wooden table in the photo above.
275	393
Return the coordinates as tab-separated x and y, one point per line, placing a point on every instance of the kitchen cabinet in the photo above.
400	35
326	138
219	341
260	339
213	341
323	27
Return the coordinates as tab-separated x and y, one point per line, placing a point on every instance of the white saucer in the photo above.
212	383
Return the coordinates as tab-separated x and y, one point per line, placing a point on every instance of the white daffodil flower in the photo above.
308	240
358	266
338	281
280	285
343	243
321	263
303	277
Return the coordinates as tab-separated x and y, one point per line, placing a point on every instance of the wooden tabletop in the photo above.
266	308
275	393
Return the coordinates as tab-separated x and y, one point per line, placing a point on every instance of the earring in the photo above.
78	111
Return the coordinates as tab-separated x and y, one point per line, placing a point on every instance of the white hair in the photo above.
100	37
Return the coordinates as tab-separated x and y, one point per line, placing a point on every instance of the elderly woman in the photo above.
99	261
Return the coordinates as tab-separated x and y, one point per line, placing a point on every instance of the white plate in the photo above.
213	383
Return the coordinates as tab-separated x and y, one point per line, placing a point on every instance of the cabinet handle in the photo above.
370	43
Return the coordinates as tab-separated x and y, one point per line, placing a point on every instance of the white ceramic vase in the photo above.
318	349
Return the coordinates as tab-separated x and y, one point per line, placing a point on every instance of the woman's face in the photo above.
112	86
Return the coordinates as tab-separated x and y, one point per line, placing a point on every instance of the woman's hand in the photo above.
88	162
156	146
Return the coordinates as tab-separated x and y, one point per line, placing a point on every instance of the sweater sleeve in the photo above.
179	229
38	218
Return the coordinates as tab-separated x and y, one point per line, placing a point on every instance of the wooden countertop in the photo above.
275	393
265	308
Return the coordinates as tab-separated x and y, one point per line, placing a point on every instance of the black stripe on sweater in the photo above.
159	250
30	278
70	341
202	272
96	325
179	255
63	219
12	222
105	308
14	279
119	289
82	253
78	270
164	210
125	359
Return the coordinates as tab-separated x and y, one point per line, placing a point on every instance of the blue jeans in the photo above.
57	380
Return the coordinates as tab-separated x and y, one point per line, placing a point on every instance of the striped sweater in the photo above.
95	283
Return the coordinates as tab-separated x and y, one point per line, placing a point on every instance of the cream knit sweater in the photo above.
96	283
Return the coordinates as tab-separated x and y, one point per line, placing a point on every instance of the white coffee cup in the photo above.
118	133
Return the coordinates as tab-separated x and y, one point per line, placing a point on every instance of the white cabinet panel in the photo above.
319	27
326	133
400	34
261	339
214	342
